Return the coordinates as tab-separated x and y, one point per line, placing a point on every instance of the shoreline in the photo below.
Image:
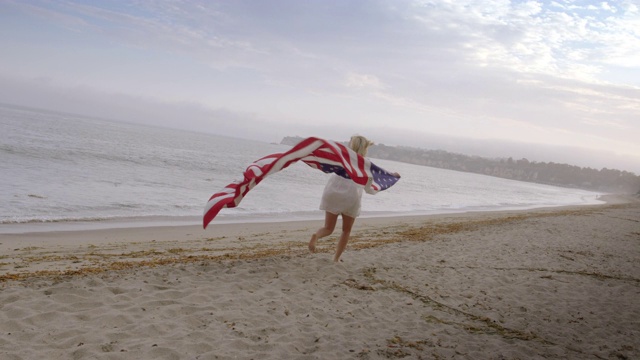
92	250
169	221
543	283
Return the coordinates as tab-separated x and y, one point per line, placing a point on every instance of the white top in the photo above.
341	196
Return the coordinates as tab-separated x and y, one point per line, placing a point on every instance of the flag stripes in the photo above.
325	155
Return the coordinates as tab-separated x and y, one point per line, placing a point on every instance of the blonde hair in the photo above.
360	144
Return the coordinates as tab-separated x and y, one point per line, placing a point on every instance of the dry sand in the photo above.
550	283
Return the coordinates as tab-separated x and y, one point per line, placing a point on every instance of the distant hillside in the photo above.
606	180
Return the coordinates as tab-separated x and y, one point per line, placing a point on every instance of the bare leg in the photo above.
347	224
330	221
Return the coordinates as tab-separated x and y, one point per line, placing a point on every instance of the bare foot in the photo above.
312	243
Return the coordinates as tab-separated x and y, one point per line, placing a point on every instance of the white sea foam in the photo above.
62	168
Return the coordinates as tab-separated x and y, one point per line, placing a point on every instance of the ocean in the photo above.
62	172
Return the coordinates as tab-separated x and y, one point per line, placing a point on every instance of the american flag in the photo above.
325	155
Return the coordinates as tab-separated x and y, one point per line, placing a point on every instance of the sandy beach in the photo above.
554	283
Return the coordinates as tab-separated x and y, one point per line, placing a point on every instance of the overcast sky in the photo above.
547	80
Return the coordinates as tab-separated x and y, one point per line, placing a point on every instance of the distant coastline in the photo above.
564	175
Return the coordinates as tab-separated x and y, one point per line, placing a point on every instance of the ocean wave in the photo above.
84	170
57	220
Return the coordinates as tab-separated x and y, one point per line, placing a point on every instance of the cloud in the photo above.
363	81
553	73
